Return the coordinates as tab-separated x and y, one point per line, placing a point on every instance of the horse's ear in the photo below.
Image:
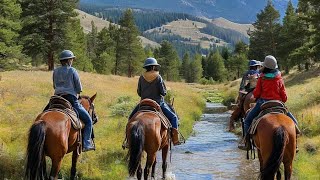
93	97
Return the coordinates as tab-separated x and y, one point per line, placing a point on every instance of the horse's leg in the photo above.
75	157
56	163
235	114
150	159
260	160
153	169
139	172
165	150
278	175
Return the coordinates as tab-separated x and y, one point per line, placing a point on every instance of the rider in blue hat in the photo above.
66	83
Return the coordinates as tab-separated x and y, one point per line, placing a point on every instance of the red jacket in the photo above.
270	88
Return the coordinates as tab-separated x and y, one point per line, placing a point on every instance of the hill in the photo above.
24	94
241	11
189	31
86	19
224	23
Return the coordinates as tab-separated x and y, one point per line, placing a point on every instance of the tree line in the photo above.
295	41
34	35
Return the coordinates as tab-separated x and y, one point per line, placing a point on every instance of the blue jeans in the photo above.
255	112
84	116
173	118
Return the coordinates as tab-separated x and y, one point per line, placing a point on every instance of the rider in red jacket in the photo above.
270	86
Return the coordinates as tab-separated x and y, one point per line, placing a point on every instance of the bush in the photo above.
123	107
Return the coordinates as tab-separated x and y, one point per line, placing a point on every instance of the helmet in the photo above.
270	62
66	54
150	62
253	63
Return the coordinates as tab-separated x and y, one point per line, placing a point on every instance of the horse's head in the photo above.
87	103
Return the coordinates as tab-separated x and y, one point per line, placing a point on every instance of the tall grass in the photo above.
23	95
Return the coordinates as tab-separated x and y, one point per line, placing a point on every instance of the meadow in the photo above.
24	94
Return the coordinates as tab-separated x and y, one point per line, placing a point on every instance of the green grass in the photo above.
23	95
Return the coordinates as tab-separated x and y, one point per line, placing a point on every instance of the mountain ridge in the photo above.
239	11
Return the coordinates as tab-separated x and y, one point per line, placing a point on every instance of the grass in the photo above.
23	95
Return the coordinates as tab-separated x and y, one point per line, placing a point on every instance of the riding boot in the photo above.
244	143
175	136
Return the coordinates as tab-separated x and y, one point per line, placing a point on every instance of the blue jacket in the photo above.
66	81
245	78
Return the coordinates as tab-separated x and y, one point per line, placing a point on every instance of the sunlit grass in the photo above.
23	95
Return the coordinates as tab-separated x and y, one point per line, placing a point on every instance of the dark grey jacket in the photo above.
151	86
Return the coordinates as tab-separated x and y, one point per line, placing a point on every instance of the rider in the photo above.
247	85
270	86
66	83
151	86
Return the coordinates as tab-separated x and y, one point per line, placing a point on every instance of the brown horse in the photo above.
275	139
241	109
145	133
52	135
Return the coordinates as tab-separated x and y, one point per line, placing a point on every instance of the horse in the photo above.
145	133
275	139
241	109
52	135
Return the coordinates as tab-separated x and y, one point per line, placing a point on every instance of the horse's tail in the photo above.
280	140
36	164
136	147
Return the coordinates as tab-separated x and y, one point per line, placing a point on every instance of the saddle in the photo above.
60	104
149	105
272	107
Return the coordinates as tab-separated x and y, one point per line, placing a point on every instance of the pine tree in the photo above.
169	60
287	38
185	70
264	39
130	54
314	20
10	25
76	41
105	51
196	69
216	68
303	54
92	38
44	26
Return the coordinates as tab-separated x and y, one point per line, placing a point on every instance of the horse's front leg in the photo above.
75	157
165	150
139	172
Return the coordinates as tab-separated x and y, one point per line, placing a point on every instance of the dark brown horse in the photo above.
145	133
52	135
275	139
241	109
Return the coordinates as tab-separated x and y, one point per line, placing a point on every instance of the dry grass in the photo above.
242	28
23	95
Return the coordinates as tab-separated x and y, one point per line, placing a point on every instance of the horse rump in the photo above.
36	164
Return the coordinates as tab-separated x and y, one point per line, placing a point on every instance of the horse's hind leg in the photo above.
164	160
153	169
150	159
287	170
75	157
56	163
139	172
